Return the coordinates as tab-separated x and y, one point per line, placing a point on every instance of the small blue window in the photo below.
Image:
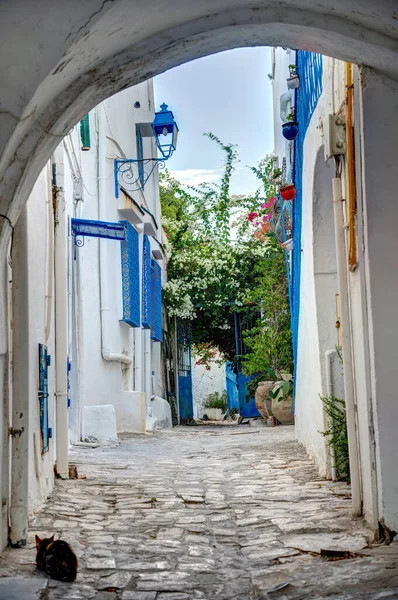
140	155
156	273
146	285
130	276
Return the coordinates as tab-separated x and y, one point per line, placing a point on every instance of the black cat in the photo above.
57	559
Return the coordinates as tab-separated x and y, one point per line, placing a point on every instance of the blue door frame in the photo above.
184	369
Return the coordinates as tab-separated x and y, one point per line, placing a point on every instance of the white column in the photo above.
20	385
5	232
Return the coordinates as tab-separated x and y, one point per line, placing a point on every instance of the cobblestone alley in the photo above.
200	512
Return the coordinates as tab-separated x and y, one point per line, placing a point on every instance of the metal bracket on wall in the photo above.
335	136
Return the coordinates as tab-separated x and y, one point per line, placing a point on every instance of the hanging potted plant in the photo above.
293	80
290	128
287	191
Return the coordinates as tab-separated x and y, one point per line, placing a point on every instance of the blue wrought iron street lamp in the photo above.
131	171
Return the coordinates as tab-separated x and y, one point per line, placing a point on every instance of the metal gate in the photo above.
232	386
185	396
168	362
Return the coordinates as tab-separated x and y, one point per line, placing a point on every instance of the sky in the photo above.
230	95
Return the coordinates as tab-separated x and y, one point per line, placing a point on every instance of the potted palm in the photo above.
290	128
281	395
293	80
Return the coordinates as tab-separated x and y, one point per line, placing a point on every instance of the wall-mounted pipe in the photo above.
352	197
286	103
61	315
107	353
329	357
346	348
50	255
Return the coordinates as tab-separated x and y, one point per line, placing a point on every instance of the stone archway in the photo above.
62	59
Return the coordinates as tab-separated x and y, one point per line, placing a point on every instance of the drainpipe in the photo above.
107	354
329	356
20	386
50	250
346	348
61	315
148	369
138	383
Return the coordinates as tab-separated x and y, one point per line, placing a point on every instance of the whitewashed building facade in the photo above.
86	312
342	288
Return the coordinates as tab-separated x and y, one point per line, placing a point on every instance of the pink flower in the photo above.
264	205
257	223
251	216
266	218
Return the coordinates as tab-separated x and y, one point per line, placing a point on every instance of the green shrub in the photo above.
217	400
337	434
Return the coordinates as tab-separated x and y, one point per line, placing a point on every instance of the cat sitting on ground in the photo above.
56	558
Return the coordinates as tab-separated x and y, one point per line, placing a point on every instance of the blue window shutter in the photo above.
130	276
146	285
140	155
156	273
44	362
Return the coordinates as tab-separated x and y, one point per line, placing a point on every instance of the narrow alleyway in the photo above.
229	513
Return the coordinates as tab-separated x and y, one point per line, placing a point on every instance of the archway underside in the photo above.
74	57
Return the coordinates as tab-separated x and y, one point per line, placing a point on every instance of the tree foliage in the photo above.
222	261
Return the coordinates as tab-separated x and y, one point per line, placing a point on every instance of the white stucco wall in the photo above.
205	382
100	381
94	381
380	97
41	474
317	332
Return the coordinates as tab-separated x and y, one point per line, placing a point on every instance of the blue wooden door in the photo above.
185	396
232	386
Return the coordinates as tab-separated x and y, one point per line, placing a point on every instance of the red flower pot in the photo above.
288	192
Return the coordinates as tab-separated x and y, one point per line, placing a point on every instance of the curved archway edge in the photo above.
77	55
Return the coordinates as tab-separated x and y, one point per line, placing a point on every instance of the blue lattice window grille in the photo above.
146	285
309	67
130	276
44	363
140	156
156	277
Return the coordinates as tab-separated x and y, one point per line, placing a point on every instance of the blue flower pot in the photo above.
290	130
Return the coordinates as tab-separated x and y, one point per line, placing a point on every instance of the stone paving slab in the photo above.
17	588
222	513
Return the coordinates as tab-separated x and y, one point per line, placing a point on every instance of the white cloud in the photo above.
196	176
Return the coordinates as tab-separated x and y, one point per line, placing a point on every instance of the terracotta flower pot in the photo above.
288	192
262	400
283	411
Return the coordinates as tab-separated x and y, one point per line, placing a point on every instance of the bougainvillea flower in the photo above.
251	216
